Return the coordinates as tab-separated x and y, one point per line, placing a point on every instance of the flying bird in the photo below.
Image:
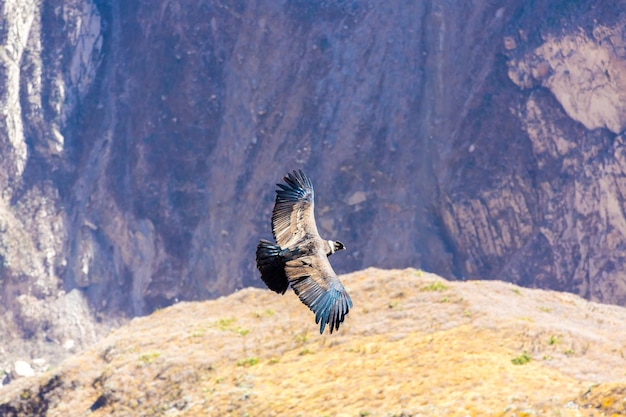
300	255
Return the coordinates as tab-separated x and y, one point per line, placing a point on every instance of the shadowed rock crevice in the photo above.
31	403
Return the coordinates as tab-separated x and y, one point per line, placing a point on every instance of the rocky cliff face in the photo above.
50	54
140	142
551	215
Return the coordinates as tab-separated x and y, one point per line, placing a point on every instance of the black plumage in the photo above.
300	255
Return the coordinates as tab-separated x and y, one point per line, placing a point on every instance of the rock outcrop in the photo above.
49	55
141	140
552	214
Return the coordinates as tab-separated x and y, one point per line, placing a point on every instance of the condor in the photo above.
300	255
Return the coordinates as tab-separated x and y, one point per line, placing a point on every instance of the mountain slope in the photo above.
415	344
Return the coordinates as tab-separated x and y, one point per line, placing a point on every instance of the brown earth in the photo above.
413	345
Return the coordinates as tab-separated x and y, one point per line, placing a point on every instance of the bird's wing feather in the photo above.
316	284
292	217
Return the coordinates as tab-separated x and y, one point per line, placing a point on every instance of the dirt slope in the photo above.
414	345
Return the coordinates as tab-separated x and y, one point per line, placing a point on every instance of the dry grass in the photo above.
414	345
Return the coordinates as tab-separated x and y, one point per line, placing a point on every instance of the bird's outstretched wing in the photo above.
317	286
292	217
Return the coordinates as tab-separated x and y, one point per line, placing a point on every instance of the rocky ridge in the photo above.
414	345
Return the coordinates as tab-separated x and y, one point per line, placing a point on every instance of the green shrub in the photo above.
521	359
247	362
435	286
553	340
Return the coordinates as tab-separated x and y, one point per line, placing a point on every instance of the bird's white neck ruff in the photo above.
332	246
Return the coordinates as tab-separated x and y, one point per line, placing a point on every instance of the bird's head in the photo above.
334	246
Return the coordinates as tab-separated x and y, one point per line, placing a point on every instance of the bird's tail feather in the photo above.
272	266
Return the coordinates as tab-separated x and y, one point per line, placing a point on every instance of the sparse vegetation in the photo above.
247	362
435	286
301	338
522	359
149	357
553	340
243	333
225	324
264	314
607	402
197	333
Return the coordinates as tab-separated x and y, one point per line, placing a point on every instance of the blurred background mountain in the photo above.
141	141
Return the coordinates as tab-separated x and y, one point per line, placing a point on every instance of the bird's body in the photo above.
300	255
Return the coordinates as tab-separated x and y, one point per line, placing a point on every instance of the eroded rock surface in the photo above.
552	215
